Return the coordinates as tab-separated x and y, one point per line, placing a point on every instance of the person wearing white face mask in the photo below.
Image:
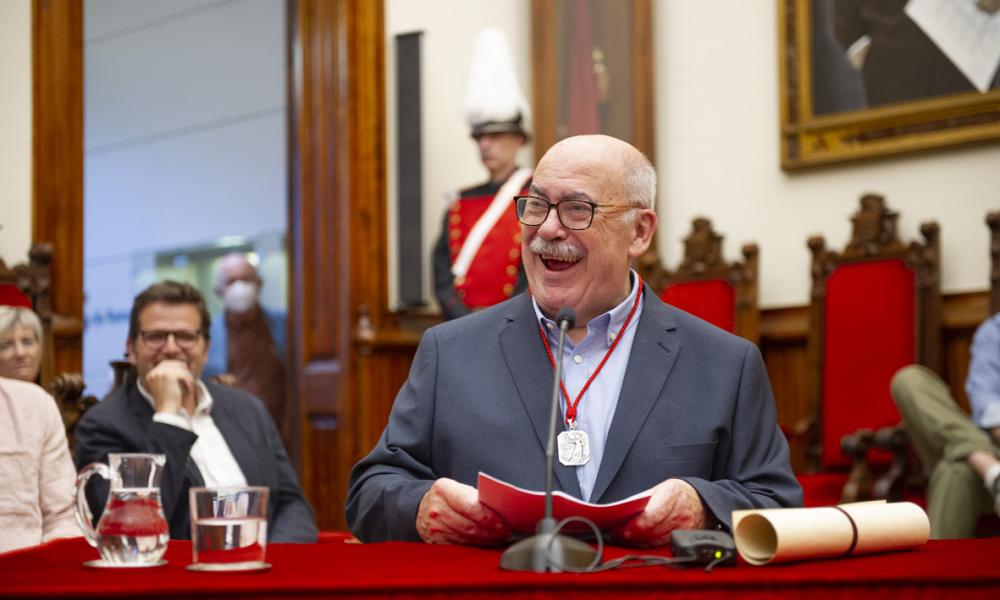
248	341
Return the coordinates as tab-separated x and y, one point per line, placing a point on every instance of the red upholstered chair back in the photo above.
875	309
11	295
724	294
713	300
869	325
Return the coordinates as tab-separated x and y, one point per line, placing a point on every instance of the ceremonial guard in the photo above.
477	258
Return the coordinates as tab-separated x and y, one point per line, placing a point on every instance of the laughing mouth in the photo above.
558	264
556	256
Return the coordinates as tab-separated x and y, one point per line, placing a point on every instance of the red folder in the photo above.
522	508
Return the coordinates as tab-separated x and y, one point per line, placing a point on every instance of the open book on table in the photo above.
522	508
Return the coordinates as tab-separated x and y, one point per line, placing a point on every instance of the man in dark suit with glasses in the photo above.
212	435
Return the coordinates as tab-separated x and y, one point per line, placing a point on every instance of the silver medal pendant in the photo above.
574	447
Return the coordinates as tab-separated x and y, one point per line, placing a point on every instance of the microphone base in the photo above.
535	552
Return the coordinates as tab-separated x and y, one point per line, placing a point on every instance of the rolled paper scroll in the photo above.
788	534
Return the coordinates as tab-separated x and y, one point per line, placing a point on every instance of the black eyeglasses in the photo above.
573	214
157	338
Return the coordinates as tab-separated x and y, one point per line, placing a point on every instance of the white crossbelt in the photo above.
482	228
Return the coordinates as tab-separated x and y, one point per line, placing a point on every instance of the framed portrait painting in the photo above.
869	78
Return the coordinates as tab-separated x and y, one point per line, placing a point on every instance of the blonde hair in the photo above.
11	316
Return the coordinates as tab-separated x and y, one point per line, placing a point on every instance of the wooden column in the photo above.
336	226
57	165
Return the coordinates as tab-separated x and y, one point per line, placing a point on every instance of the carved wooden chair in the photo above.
905	479
29	285
705	285
875	308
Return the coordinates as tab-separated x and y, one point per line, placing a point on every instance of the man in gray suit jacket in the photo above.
654	399
211	435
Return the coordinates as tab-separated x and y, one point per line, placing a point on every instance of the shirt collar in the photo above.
204	405
606	324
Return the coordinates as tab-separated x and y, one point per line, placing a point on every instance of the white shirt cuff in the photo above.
173	419
991	416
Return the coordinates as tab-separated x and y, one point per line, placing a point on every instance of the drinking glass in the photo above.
228	528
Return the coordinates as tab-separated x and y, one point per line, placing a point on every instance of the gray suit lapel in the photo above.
654	351
532	373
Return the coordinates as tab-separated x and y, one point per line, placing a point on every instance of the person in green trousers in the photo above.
961	454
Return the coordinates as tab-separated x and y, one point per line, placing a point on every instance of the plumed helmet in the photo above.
494	102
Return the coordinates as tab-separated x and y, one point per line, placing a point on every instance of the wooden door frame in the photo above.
337	227
57	165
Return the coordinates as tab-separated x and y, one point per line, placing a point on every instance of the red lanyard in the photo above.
571	406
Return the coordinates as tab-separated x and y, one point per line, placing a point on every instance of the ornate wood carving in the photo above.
57	130
67	389
874	232
859	482
702	252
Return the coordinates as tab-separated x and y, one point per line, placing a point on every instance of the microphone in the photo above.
546	551
565	319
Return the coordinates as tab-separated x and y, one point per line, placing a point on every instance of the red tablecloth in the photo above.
958	569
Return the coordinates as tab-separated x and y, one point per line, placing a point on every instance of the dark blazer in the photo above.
695	404
123	422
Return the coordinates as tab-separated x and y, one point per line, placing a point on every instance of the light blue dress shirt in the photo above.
597	407
983	383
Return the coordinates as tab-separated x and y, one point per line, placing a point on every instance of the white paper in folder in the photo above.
788	534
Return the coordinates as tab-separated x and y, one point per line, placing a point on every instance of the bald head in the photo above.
636	177
585	265
232	267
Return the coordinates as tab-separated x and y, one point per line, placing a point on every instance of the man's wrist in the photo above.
172	418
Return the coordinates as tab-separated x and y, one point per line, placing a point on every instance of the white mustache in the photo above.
558	250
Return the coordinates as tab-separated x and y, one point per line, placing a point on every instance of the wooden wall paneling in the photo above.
783	346
956	366
962	313
545	30
643	112
383	365
337	226
57	165
993	222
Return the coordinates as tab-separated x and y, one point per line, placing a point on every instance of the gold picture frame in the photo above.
809	139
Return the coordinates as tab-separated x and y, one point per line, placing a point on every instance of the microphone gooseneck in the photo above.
547	550
565	319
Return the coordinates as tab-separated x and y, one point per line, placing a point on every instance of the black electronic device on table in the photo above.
703	546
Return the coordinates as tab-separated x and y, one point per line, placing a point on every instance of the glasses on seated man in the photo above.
184	338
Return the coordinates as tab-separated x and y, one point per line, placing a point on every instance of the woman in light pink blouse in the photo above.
36	472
